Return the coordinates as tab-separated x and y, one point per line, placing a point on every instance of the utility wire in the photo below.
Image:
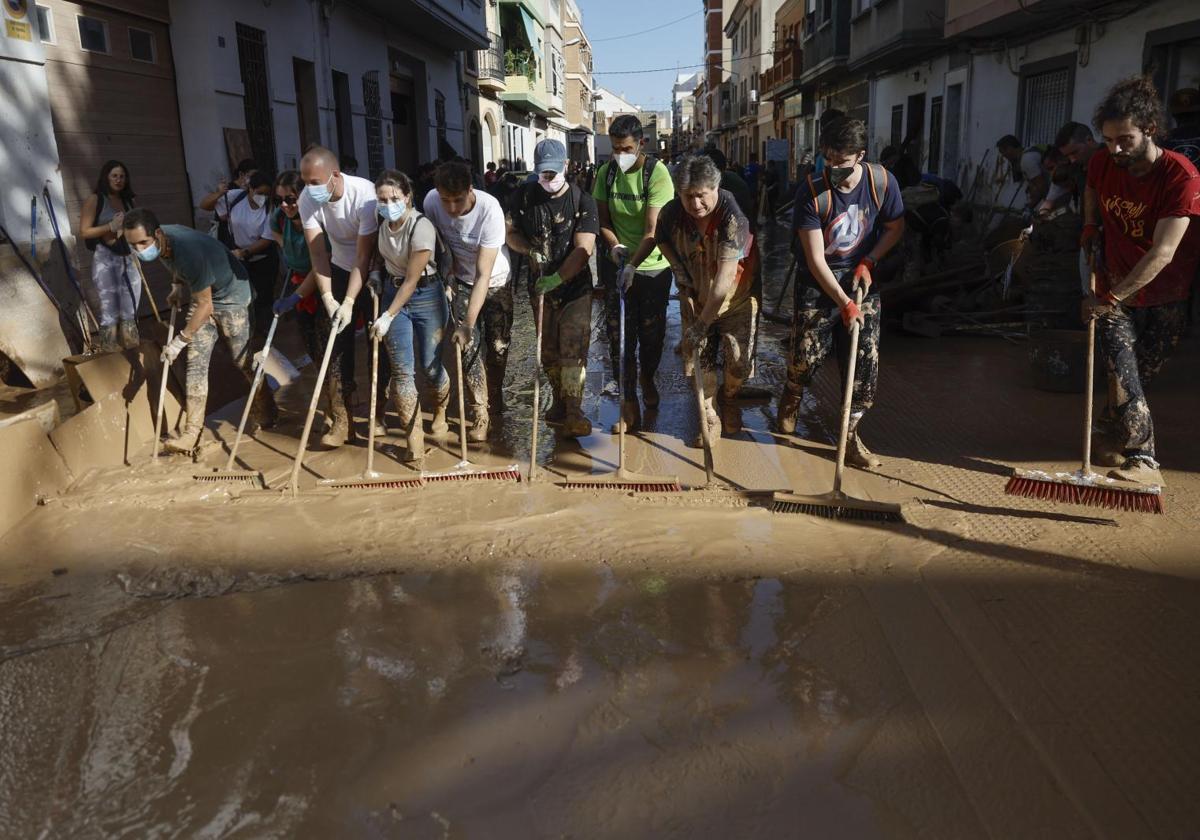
680	67
644	31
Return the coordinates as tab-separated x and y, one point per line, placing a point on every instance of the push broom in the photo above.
836	504
621	478
1085	487
371	480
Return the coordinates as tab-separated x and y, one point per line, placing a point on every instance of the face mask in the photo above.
838	175
555	185
391	210
320	192
626	161
148	255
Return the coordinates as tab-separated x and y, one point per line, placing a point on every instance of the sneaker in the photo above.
857	454
1139	470
478	433
183	442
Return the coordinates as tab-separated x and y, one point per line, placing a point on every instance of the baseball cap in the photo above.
1185	101
549	156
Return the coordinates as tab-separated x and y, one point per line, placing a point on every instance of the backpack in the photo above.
877	180
610	177
221	229
443	257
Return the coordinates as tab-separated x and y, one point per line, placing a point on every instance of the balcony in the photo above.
1014	19
783	75
491	65
893	35
826	44
451	26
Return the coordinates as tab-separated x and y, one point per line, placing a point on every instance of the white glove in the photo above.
331	304
626	278
171	352
383	323
345	314
175	297
619	254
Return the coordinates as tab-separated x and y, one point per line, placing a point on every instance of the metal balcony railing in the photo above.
491	60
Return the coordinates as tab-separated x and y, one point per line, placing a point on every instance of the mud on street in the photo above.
184	659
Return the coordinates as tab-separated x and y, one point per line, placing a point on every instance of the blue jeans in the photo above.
416	337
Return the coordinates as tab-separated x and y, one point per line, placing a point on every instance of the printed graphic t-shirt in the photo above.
702	244
1130	208
204	263
854	224
550	223
628	211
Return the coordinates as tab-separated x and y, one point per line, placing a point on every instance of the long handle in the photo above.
787	281
162	385
146	289
698	383
1089	382
621	377
70	269
462	403
537	377
293	483
33	228
259	370
847	399
375	388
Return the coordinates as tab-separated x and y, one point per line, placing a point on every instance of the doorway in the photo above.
404	125
914	129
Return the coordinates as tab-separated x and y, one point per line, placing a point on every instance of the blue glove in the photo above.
285	305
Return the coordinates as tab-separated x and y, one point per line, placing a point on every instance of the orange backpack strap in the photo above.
878	180
822	201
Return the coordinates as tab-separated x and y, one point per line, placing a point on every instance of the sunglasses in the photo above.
289	200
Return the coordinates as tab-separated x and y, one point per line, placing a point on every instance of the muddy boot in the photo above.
631	417
495	388
127	333
558	409
789	409
575	423
186	441
650	394
478	433
108	339
714	429
411	428
264	414
1140	470
439	428
1106	452
340	427
857	454
381	418
731	415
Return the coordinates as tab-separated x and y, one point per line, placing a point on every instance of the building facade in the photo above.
581	90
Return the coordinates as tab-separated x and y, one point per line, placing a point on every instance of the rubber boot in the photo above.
789	410
857	454
409	413
478	433
439	428
731	414
127	333
495	387
186	441
575	423
631	417
650	395
558	409
714	427
340	427
264	414
108	339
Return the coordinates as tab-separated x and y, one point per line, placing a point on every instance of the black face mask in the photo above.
838	175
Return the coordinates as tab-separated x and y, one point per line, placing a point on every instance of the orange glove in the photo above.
850	313
862	273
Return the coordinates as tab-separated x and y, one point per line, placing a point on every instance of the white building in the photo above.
608	105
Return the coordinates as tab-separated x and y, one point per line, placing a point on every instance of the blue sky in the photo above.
680	44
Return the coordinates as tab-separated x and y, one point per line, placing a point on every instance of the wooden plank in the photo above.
32	469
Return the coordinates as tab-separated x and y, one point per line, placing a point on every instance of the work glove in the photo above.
862	274
548	283
285	305
171	352
345	314
175	297
625	280
461	336
619	254
383	323
693	337
331	304
851	313
375	282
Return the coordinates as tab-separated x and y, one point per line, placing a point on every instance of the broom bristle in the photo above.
1064	491
648	487
252	478
502	475
392	484
836	512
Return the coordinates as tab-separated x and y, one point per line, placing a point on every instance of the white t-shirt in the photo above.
344	220
483	227
1031	164
396	247
247	224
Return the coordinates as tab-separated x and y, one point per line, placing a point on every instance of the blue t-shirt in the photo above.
854	225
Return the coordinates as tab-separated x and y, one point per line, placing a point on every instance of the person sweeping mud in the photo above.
287	230
220	303
471	223
706	237
630	191
1139	199
343	208
556	224
846	220
414	313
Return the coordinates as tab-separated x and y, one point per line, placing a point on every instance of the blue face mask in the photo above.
392	210
320	192
149	254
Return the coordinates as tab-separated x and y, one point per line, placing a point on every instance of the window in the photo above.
256	94
142	46
439	114
374	123
93	34
826	11
897	125
935	135
304	74
45	24
1045	99
341	110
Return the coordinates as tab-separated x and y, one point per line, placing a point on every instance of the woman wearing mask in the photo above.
114	275
252	245
414	309
285	228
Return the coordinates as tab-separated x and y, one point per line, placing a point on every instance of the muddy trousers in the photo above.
486	358
817	331
416	341
232	324
566	339
118	286
734	336
1135	343
645	323
339	379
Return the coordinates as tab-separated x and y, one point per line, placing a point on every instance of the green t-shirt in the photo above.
203	262
295	249
628	211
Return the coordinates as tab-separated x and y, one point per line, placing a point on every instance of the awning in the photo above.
533	30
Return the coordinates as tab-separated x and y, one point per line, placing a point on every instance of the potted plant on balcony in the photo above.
520	61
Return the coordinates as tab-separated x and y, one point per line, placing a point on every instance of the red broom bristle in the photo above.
1112	498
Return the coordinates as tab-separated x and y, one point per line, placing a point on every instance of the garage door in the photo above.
112	96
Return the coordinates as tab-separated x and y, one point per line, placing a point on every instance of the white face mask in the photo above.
555	184
626	161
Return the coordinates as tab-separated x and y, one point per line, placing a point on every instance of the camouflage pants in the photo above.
566	339
486	358
645	322
233	324
1135	343
734	335
817	330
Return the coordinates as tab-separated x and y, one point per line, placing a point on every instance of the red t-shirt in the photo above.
1131	207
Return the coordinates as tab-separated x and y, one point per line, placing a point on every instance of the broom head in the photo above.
233	476
628	482
837	506
1088	488
465	471
376	481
